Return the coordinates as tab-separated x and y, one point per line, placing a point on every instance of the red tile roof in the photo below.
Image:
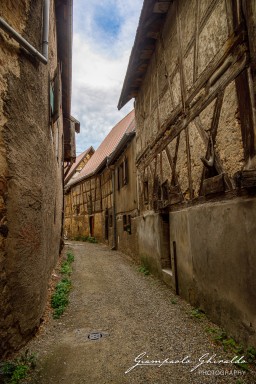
108	145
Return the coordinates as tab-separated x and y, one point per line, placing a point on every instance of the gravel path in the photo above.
136	314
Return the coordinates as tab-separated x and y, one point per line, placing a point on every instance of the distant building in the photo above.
35	126
192	74
72	170
92	198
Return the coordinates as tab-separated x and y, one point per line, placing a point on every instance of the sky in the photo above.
103	36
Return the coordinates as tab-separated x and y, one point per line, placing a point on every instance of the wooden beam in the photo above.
246	179
178	121
161	7
191	193
213	185
180	58
196	46
246	114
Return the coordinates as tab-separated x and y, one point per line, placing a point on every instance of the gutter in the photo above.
101	165
43	57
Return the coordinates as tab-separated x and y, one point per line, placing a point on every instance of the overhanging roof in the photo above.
64	16
120	147
99	159
151	21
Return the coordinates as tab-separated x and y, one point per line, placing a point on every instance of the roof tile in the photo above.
108	145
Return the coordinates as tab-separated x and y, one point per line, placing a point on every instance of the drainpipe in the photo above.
46	16
24	43
114	208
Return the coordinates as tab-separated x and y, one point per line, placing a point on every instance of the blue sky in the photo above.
103	35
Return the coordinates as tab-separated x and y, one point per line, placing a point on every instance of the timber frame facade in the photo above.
106	187
192	74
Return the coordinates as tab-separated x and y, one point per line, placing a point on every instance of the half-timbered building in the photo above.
92	197
192	74
73	169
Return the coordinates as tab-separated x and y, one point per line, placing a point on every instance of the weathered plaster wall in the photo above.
31	174
149	245
195	91
176	66
216	262
127	203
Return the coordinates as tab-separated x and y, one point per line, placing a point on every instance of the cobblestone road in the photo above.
136	315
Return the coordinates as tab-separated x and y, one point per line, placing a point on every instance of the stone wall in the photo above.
31	175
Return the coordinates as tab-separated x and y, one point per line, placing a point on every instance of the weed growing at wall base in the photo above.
59	299
90	239
17	370
144	270
197	313
229	344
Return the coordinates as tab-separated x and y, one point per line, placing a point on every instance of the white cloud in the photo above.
101	49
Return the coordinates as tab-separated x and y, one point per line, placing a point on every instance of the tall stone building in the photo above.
35	126
192	74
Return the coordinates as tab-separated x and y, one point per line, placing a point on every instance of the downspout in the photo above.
46	17
43	57
114	209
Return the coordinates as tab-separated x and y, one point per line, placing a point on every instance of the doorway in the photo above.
91	225
166	260
168	254
106	224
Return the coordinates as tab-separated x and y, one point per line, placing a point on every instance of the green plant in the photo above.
211	330
197	313
229	344
91	239
66	268
174	301
14	372
59	299
251	355
70	257
66	264
220	335
144	270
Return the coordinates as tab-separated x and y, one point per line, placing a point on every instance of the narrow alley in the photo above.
135	314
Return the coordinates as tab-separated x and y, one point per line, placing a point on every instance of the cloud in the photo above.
103	36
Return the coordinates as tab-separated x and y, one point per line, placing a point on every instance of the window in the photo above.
77	209
127	224
145	191
125	171
124	222
122	174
